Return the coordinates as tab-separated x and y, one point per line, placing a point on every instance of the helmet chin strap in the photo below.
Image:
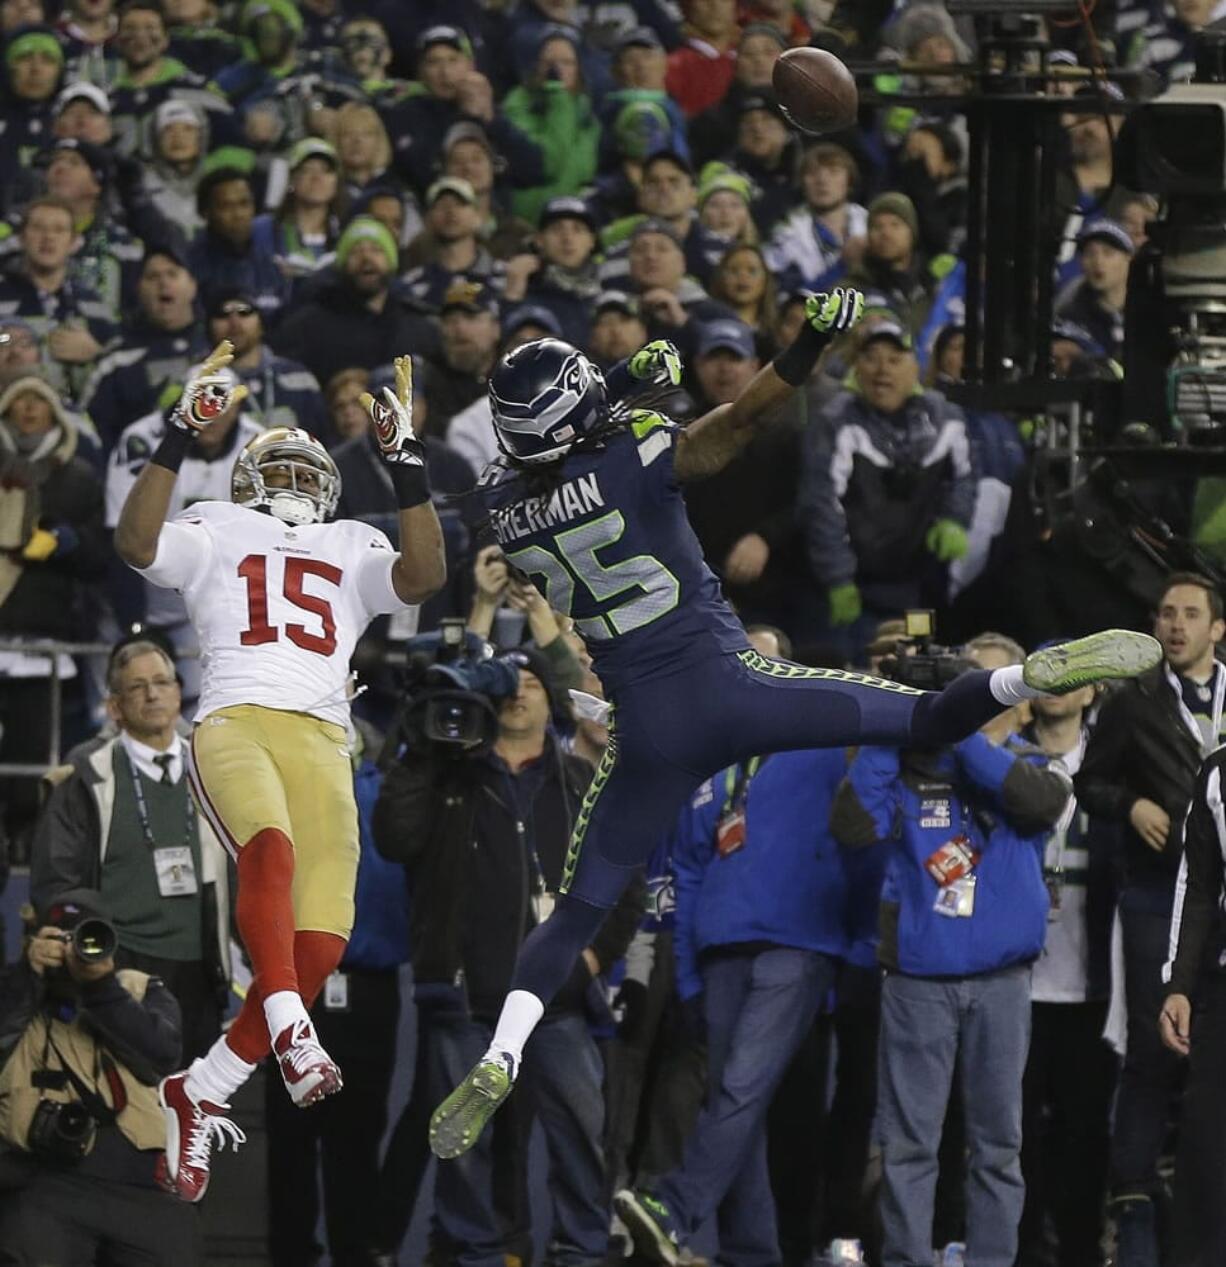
293	508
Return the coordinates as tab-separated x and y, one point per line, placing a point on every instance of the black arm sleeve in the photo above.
404	813
145	1036
1101	790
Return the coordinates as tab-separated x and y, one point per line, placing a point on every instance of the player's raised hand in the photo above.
658	362
836	311
212	388
392	418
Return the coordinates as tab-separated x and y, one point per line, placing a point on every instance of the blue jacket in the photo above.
380	937
1005	799
786	886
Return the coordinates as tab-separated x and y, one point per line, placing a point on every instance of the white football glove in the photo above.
211	389
392	418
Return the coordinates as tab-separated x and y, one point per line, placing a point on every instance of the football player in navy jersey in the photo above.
587	502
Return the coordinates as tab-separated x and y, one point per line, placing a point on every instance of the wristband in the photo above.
794	364
411	485
173	449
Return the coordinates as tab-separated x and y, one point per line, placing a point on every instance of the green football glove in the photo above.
845	605
658	362
947	540
834	312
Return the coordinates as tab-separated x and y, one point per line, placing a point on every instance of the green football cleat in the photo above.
653	1229
458	1122
1068	666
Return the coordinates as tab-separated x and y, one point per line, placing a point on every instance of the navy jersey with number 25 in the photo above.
612	547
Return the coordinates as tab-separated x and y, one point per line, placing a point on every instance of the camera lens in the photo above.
94	940
74	1123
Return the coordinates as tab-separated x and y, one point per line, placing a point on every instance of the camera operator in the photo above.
963	916
83	1046
1139	773
123	823
484	829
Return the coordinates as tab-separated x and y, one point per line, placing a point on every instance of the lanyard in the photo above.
142	810
1215	717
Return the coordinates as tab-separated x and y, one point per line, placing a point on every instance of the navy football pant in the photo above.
670	733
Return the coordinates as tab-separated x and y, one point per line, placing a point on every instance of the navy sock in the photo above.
549	953
959	710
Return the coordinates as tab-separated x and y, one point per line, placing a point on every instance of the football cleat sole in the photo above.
1068	666
650	1239
458	1122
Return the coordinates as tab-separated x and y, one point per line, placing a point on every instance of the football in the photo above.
815	89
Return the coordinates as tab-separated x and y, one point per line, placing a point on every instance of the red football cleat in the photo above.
308	1072
191	1131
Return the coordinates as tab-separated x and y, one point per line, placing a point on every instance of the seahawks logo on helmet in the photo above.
544	396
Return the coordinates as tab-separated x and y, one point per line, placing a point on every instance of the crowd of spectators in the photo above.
331	183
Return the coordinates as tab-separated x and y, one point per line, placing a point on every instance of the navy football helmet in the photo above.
545	396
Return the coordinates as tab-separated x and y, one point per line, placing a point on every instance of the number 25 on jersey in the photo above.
298	571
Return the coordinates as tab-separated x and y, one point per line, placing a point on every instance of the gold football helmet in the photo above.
287	472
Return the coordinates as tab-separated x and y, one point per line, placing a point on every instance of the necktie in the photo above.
163	759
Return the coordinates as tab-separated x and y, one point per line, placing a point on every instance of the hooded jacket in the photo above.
1005	799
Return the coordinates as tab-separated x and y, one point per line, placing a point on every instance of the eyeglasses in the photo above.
135	689
237	309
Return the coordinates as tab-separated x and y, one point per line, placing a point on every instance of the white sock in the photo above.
282	1009
1008	687
519	1016
216	1076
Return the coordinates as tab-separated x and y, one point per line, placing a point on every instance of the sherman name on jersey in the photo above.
278	607
612	547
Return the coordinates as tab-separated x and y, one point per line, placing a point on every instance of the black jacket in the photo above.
1197	921
467	830
1141	748
334	330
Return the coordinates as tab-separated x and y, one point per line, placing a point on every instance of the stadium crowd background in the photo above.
331	183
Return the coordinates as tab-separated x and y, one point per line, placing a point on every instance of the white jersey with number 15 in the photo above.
277	607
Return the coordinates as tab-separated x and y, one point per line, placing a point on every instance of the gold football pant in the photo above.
252	768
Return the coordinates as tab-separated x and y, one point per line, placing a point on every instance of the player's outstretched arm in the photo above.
210	393
707	445
421	568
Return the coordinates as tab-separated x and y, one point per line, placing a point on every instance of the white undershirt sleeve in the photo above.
183	551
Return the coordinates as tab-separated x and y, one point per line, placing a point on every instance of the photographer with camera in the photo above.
963	916
481	807
82	1047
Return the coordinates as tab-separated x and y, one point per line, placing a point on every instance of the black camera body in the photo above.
452	690
61	1132
918	662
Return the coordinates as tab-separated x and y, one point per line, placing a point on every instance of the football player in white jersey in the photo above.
279	596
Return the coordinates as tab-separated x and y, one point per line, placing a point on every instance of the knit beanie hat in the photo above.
367	229
897	205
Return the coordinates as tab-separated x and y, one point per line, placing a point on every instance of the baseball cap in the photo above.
886	328
174	111
638	37
566	208
98	160
470	296
759	101
616	301
167	249
669	156
217	299
452	36
312	147
1104	229
725	335
467	131
461	188
651	225
531	315
83	92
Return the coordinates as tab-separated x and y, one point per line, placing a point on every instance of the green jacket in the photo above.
565	128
